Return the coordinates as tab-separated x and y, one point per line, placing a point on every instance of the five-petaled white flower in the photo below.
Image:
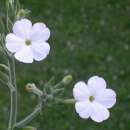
28	42
93	99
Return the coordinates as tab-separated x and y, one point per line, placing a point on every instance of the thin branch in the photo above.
13	94
29	118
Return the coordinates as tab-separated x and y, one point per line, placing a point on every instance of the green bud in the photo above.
22	13
29	128
67	79
67	101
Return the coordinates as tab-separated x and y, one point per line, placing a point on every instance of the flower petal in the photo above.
106	97
84	109
25	55
40	50
14	43
22	28
96	83
40	32
80	91
99	112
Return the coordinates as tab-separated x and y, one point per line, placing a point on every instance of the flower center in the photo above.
91	98
28	42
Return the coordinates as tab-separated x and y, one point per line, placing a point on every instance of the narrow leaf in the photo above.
4	76
4	67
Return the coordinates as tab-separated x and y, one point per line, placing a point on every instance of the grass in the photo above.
88	37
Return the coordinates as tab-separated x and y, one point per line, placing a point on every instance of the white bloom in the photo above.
93	99
28	42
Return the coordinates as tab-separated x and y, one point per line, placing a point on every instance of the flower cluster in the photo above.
29	42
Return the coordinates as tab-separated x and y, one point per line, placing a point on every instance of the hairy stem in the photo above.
13	95
10	13
32	115
29	118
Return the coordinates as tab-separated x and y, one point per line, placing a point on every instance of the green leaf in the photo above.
2	26
4	77
4	67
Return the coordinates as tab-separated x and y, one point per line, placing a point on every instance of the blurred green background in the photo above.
88	37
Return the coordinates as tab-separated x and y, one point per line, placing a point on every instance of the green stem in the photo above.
32	115
12	110
10	13
29	118
13	95
58	84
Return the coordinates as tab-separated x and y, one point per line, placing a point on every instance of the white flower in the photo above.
28	42
93	99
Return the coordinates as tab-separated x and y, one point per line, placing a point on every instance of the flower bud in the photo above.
22	13
30	87
29	128
67	101
67	79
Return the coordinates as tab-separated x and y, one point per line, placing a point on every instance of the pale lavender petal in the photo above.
95	84
106	97
25	55
14	43
80	91
40	33
40	50
83	108
99	112
22	28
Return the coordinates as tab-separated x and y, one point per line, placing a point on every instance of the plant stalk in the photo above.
10	12
29	118
13	95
